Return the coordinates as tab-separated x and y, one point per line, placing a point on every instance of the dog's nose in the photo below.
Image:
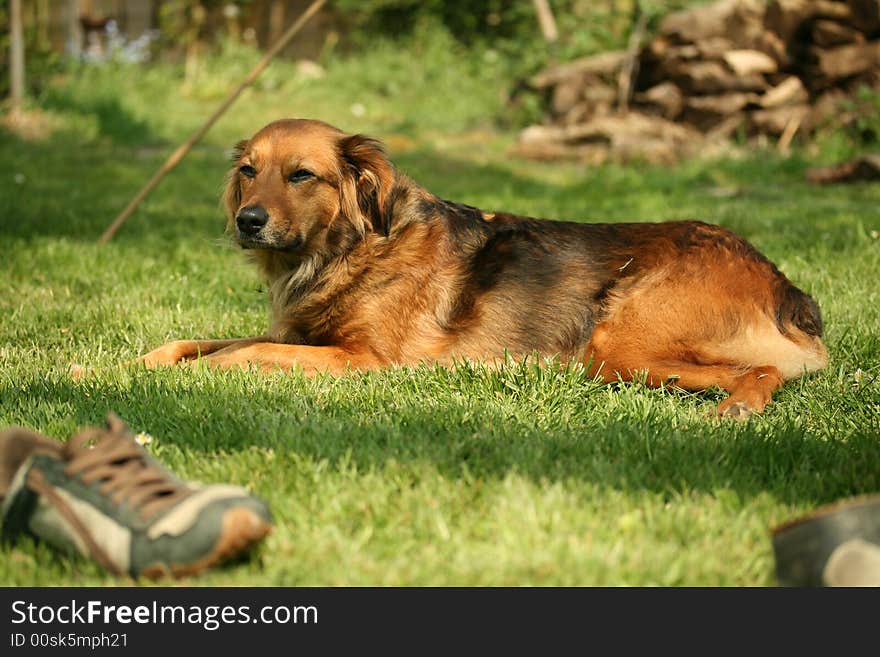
251	220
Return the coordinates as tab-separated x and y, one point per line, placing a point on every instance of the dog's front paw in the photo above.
170	354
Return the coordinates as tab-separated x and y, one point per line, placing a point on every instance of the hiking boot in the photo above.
103	496
836	545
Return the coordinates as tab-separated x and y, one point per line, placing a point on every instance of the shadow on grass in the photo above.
61	188
474	433
74	195
65	188
113	120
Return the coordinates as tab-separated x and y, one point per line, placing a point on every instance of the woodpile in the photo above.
746	67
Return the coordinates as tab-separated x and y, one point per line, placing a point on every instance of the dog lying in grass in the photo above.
366	269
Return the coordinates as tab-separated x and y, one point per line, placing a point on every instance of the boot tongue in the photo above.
112	458
87	439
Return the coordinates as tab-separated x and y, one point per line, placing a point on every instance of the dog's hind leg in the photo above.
725	321
751	392
750	389
629	357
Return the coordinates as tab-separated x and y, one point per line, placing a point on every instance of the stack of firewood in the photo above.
733	67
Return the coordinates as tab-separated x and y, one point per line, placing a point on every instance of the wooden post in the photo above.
42	13
232	14
74	30
197	17
629	69
175	158
16	58
546	20
276	20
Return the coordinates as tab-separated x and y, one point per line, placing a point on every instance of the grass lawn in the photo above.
527	476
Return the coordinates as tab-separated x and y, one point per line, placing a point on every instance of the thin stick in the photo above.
546	20
788	134
629	68
175	158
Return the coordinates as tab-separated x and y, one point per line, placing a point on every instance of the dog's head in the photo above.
299	186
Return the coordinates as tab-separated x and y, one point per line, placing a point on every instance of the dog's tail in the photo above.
799	320
796	308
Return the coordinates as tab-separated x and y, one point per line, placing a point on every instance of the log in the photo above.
707	112
787	17
863	168
827	34
726	128
774	121
664	99
566	94
783	17
550	151
597	92
653	62
657	49
596	101
606	63
790	91
632	136
728	103
846	61
709	48
535	134
709	77
579	114
714	47
605	128
865	15
634	148
595	97
749	62
737	18
770	44
686	52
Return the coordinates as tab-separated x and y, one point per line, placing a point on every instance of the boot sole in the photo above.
241	530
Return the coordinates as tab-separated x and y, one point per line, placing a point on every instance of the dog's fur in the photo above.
366	269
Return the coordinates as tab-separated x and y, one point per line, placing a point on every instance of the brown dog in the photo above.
367	270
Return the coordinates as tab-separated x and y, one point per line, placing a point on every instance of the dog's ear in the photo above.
367	179
231	198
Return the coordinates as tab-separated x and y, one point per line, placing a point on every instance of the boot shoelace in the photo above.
119	463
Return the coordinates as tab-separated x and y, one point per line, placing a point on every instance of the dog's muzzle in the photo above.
250	220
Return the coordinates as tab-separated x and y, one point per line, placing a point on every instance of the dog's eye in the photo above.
247	171
299	175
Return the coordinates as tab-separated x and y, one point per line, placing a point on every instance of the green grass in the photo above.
531	475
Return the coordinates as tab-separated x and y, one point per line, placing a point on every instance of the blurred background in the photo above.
487	102
587	81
